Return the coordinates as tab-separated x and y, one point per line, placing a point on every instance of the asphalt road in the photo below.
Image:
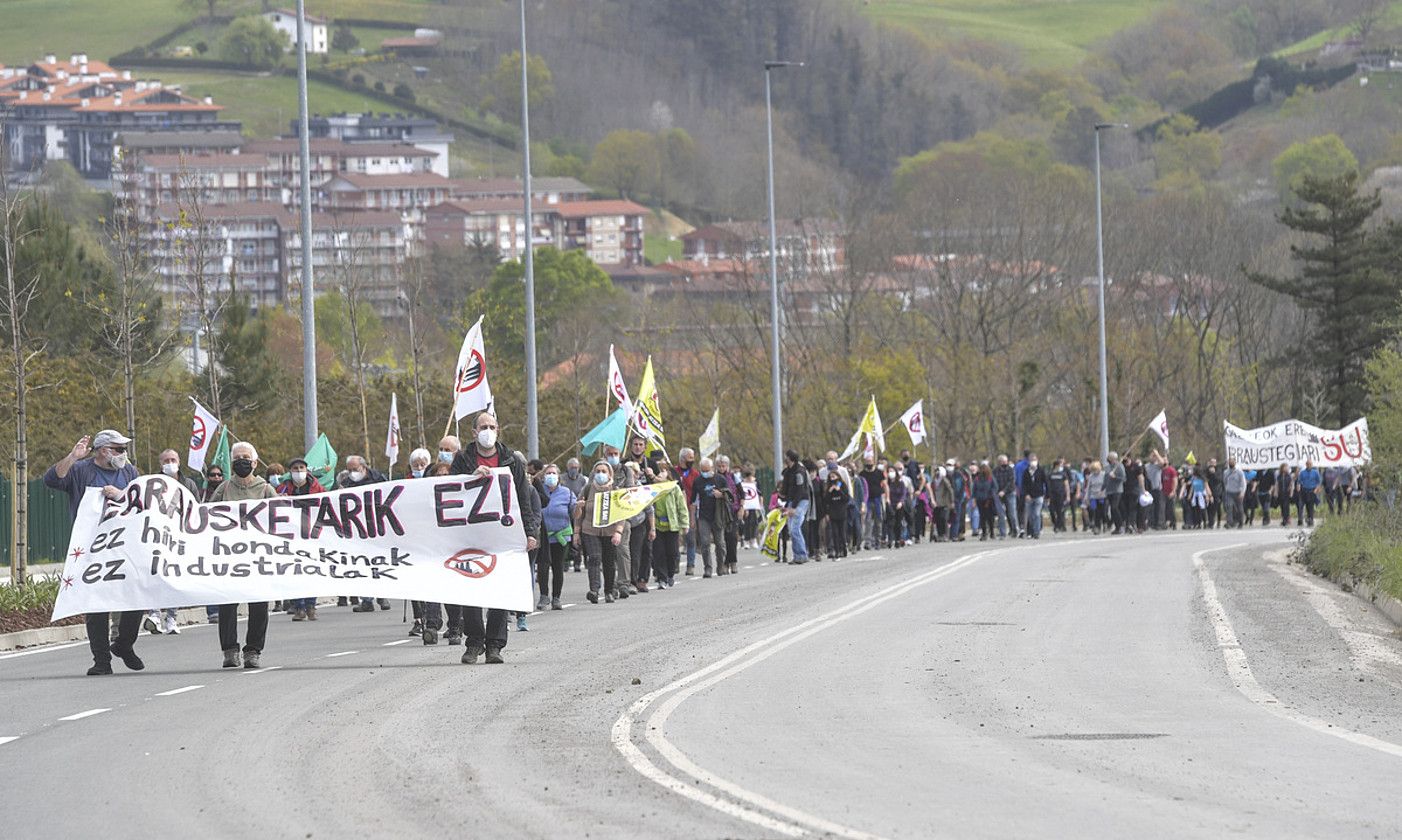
1185	685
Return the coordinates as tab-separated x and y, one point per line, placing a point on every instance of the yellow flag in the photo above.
618	505
1191	459
773	526
647	416
872	428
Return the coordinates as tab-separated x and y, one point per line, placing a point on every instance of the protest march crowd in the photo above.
827	507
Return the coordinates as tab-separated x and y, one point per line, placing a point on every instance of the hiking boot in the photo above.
430	636
311	613
128	657
622	592
384	604
608	598
364	607
593	597
453	638
418	628
231	658
543	604
99	669
642	585
494	656
474	650
299	615
253	660
555	604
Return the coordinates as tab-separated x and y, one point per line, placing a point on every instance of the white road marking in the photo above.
780	818
566	606
1239	669
176	691
400	642
88	713
342	653
44	649
255	671
5	739
747	567
1368	650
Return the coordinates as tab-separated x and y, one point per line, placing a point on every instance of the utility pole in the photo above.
309	410
775	310
1100	272
532	417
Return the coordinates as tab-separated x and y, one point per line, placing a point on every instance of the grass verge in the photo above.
1363	547
29	606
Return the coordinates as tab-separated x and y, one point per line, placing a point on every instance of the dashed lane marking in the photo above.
342	653
257	671
87	714
400	642
5	739
175	691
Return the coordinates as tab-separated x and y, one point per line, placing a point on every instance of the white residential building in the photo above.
285	21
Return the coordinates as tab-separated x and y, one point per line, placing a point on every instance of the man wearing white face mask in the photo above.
106	469
484	455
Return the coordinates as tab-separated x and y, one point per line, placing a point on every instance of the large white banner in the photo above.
1293	442
454	539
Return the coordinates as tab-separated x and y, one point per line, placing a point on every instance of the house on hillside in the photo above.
815	244
285	21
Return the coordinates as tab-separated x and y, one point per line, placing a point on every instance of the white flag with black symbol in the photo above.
1159	426
914	422
471	393
392	436
201	436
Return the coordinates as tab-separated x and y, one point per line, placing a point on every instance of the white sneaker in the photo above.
152	622
171	626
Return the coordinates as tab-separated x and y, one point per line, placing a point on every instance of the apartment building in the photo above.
422	132
230	247
609	232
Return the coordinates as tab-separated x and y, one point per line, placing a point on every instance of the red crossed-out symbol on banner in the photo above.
471	562
198	433
916	423
472	373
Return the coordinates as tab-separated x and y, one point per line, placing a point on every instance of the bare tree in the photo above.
18	293
127	321
197	256
412	281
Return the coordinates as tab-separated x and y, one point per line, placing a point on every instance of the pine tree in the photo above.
1344	280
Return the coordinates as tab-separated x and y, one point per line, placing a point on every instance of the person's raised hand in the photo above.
80	449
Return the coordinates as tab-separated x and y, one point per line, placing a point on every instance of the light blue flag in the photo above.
612	432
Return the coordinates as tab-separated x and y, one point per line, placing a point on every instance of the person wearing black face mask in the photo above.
242	487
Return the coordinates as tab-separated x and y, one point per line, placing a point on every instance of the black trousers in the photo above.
556	566
666	554
1117	514
433	616
257	626
837	536
639	555
732	543
492	634
99	625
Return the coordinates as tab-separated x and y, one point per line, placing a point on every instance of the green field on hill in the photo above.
1048	32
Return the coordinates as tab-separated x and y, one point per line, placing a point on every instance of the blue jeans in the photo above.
956	527
800	547
1003	506
875	524
1034	516
301	603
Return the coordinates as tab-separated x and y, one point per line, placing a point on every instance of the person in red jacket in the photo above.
300	482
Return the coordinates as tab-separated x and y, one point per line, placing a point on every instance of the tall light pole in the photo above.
532	418
309	423
1100	272
775	312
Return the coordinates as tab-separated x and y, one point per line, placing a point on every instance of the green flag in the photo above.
221	454
321	462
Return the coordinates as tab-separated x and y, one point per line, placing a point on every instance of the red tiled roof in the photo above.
576	209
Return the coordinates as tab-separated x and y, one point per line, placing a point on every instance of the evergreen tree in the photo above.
1346	280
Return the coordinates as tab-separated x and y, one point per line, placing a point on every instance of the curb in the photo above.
79	632
1390	606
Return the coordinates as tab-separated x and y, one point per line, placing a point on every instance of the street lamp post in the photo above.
1100	272
532	415
775	312
309	407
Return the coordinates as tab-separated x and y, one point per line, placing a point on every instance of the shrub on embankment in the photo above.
1364	546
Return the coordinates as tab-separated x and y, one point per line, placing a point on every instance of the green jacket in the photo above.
670	510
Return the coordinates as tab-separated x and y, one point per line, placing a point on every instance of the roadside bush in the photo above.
403	91
1364	546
